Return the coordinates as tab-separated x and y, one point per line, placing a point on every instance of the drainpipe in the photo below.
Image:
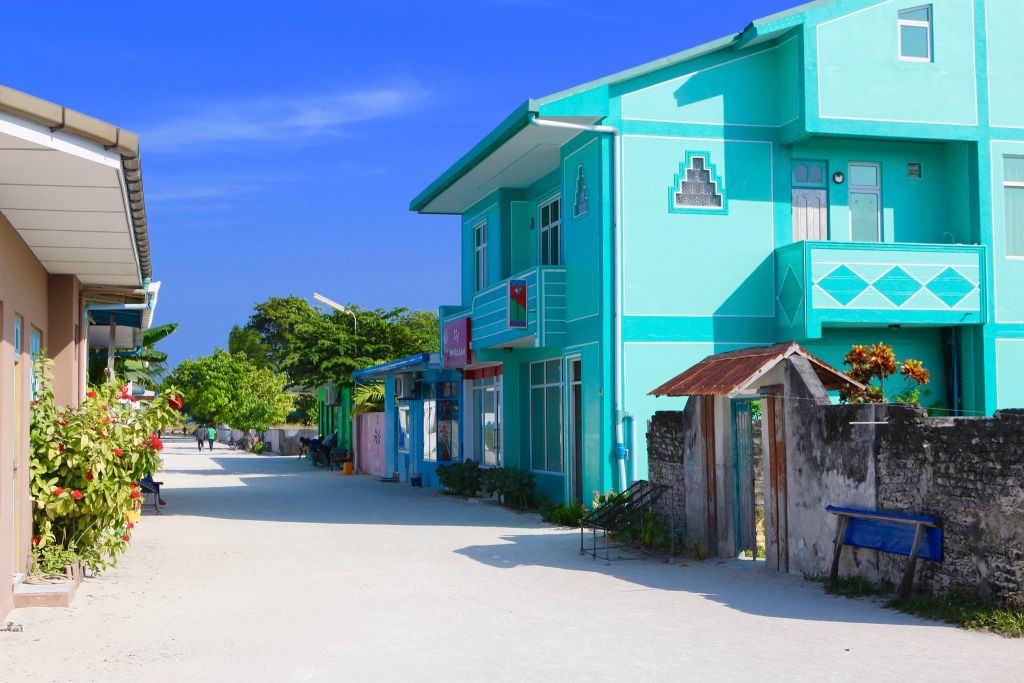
619	399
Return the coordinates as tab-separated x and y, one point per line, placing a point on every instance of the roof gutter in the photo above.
124	142
619	414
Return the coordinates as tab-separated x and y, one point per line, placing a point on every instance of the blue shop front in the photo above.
422	409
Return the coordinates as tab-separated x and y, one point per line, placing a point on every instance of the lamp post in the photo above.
338	307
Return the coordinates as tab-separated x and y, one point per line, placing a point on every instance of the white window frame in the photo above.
865	189
400	411
901	22
480	387
1007	185
480	255
545	385
545	231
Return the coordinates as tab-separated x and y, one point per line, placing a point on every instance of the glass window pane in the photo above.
1013	169
864	176
545	216
914	42
429	431
545	252
553	371
577	375
536	373
554	430
916	14
556	210
555	250
537	429
864	216
1014	221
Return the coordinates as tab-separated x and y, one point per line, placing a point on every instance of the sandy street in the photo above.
263	568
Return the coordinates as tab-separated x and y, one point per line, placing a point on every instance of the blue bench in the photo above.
889	532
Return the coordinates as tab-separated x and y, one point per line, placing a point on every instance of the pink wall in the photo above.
370	443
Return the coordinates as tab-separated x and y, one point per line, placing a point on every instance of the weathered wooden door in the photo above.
810	214
707	430
743	477
778	531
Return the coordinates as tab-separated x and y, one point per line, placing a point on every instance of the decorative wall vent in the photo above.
697	188
579	202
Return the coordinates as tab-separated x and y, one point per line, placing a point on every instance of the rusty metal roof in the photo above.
734	371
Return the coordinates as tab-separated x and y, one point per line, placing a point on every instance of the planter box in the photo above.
49	595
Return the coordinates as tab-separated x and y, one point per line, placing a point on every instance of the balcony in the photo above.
833	284
494	322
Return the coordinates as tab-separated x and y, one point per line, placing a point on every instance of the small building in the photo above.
75	277
792	181
422	409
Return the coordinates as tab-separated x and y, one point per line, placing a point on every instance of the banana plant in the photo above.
145	368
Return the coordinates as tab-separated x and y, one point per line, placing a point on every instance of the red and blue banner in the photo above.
517	303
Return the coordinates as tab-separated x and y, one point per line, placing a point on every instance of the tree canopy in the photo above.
313	347
232	389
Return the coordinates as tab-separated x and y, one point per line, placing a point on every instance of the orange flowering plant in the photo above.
872	365
85	463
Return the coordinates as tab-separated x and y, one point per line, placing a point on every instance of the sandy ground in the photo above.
264	569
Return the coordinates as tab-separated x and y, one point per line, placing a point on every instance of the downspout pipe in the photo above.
619	399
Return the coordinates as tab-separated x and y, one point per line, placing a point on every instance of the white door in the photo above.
810	214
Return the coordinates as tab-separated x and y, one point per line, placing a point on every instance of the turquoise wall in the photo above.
1005	26
859	76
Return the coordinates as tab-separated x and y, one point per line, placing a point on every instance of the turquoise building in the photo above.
850	171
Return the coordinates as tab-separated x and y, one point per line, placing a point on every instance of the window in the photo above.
487	406
550	233
865	202
480	254
546	416
403	429
915	28
35	347
1013	193
697	188
580	201
440	430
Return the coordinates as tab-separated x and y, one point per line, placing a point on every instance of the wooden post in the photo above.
110	347
908	574
833	574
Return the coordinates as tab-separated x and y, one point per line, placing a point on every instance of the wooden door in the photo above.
778	528
744	523
810	214
707	430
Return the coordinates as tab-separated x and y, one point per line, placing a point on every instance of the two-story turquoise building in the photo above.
849	171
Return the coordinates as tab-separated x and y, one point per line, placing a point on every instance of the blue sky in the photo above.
282	142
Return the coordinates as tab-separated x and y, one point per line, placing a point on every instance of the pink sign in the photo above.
456	338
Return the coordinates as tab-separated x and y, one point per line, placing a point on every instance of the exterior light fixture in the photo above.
838	177
338	307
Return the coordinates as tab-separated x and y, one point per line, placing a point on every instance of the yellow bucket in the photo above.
348	468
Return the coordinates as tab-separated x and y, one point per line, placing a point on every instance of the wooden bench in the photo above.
889	532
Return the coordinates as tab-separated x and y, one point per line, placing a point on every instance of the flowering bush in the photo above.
85	463
876	363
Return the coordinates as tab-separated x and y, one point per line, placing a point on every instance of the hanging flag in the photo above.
517	303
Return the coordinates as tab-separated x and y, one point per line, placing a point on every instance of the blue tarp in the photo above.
890	537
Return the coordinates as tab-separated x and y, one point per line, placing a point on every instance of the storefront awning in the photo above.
384	369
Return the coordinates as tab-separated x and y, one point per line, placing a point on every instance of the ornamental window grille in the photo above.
579	204
698	188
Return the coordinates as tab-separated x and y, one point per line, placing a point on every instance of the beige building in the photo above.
74	263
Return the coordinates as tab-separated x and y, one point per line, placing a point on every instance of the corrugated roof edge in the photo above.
126	143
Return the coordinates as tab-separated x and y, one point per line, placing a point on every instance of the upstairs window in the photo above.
480	255
915	27
1013	196
551	233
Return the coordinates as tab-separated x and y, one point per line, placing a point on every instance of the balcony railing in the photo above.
822	284
493	319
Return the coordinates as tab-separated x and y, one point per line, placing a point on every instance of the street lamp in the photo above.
338	307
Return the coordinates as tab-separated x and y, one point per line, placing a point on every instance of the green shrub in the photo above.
461	478
965	608
514	487
563	515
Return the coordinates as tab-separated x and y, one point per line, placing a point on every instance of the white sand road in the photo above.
264	569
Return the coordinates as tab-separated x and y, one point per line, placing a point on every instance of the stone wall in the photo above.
665	443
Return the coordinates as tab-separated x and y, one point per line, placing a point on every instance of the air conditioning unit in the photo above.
331	394
405	386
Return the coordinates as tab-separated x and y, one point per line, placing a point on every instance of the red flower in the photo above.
131	525
106	420
155	442
125	537
118	452
63	423
175	402
133	485
104	407
91	394
76	494
88	476
136	494
133	399
57	491
60	448
36	540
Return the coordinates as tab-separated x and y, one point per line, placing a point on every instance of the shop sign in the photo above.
517	303
456	337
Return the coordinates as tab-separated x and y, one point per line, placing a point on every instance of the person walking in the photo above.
200	435
211	434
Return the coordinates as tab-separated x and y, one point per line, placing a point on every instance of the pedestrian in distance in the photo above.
200	433
211	434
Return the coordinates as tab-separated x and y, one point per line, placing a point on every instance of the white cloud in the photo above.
271	119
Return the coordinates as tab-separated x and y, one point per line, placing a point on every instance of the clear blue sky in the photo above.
283	141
